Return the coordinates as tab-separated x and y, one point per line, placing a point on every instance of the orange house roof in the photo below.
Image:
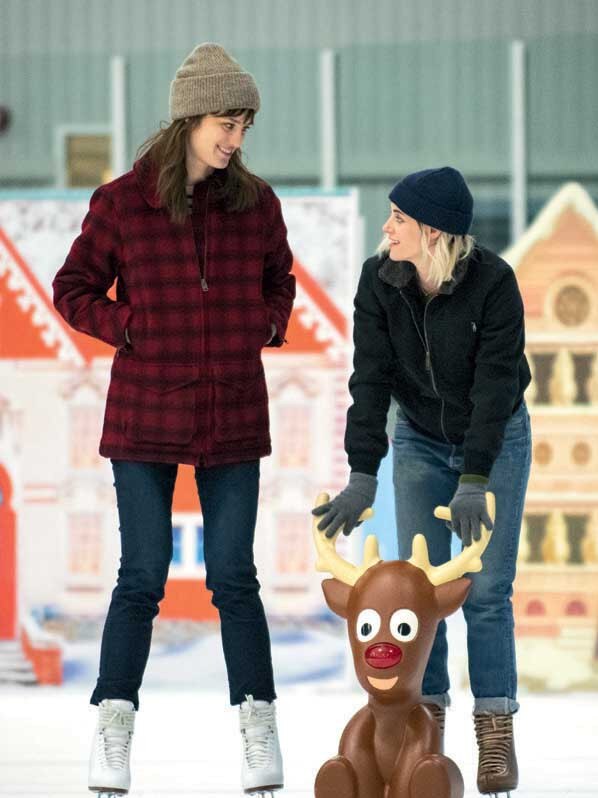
25	335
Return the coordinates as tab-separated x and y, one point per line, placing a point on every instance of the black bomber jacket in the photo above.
456	367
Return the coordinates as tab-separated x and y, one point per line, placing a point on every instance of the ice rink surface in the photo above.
187	742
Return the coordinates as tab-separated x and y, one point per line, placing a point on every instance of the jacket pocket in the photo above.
159	401
240	403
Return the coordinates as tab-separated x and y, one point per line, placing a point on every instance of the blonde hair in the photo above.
441	261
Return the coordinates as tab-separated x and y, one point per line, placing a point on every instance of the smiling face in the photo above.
392	614
392	622
404	235
212	142
403	627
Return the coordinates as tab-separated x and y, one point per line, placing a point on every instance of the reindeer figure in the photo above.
391	748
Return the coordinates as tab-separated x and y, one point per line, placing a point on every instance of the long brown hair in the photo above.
239	189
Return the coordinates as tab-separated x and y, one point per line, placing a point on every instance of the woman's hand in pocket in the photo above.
273	328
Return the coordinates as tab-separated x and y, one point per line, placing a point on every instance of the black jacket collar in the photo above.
399	272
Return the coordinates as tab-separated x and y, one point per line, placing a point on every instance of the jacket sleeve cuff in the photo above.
477	479
122	319
364	465
277	339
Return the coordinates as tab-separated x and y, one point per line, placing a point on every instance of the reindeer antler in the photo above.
468	561
331	562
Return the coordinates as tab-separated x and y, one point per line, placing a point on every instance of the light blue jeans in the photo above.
426	474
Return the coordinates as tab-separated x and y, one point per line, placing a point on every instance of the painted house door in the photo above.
8	561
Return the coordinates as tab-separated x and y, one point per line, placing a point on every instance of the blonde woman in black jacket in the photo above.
439	325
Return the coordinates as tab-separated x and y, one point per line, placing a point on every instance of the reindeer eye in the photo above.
403	625
368	625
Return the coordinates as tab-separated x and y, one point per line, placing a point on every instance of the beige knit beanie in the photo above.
208	81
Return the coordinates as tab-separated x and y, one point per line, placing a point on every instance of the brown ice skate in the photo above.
497	766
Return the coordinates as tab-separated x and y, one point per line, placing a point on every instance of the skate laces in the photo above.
116	727
494	734
257	730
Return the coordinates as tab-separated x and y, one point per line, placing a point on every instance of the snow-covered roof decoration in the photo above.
571	195
25	290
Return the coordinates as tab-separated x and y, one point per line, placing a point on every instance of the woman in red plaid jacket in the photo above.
199	247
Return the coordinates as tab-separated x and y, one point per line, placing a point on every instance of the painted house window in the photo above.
582	366
84	546
543	363
177	544
576	531
187	545
86	429
4	405
572	305
536	532
535	607
576	608
293	548
199	555
294	430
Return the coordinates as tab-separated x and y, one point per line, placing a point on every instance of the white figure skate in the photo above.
109	762
261	772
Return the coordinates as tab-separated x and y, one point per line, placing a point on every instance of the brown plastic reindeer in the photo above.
392	747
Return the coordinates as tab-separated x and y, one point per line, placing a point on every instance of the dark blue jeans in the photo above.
426	474
229	498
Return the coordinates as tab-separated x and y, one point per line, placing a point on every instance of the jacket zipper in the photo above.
201	461
426	345
204	281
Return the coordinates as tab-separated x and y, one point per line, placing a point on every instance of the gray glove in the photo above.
468	509
348	505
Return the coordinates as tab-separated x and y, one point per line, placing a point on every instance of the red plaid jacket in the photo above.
197	302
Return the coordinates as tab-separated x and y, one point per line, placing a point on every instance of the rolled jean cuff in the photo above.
442	700
495	706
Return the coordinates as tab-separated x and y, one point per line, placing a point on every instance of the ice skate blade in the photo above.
263	792
101	793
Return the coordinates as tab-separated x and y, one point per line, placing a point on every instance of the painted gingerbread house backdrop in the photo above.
556	590
59	542
59	539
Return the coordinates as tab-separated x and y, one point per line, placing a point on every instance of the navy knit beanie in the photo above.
438	197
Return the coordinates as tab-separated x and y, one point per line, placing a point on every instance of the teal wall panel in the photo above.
563	105
420	83
406	106
44	91
126	26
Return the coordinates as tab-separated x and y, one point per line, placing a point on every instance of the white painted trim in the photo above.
328	176
584	340
570	412
571	195
518	142
118	103
42	317
557	499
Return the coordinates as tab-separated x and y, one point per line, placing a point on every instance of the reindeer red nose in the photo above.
383	655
